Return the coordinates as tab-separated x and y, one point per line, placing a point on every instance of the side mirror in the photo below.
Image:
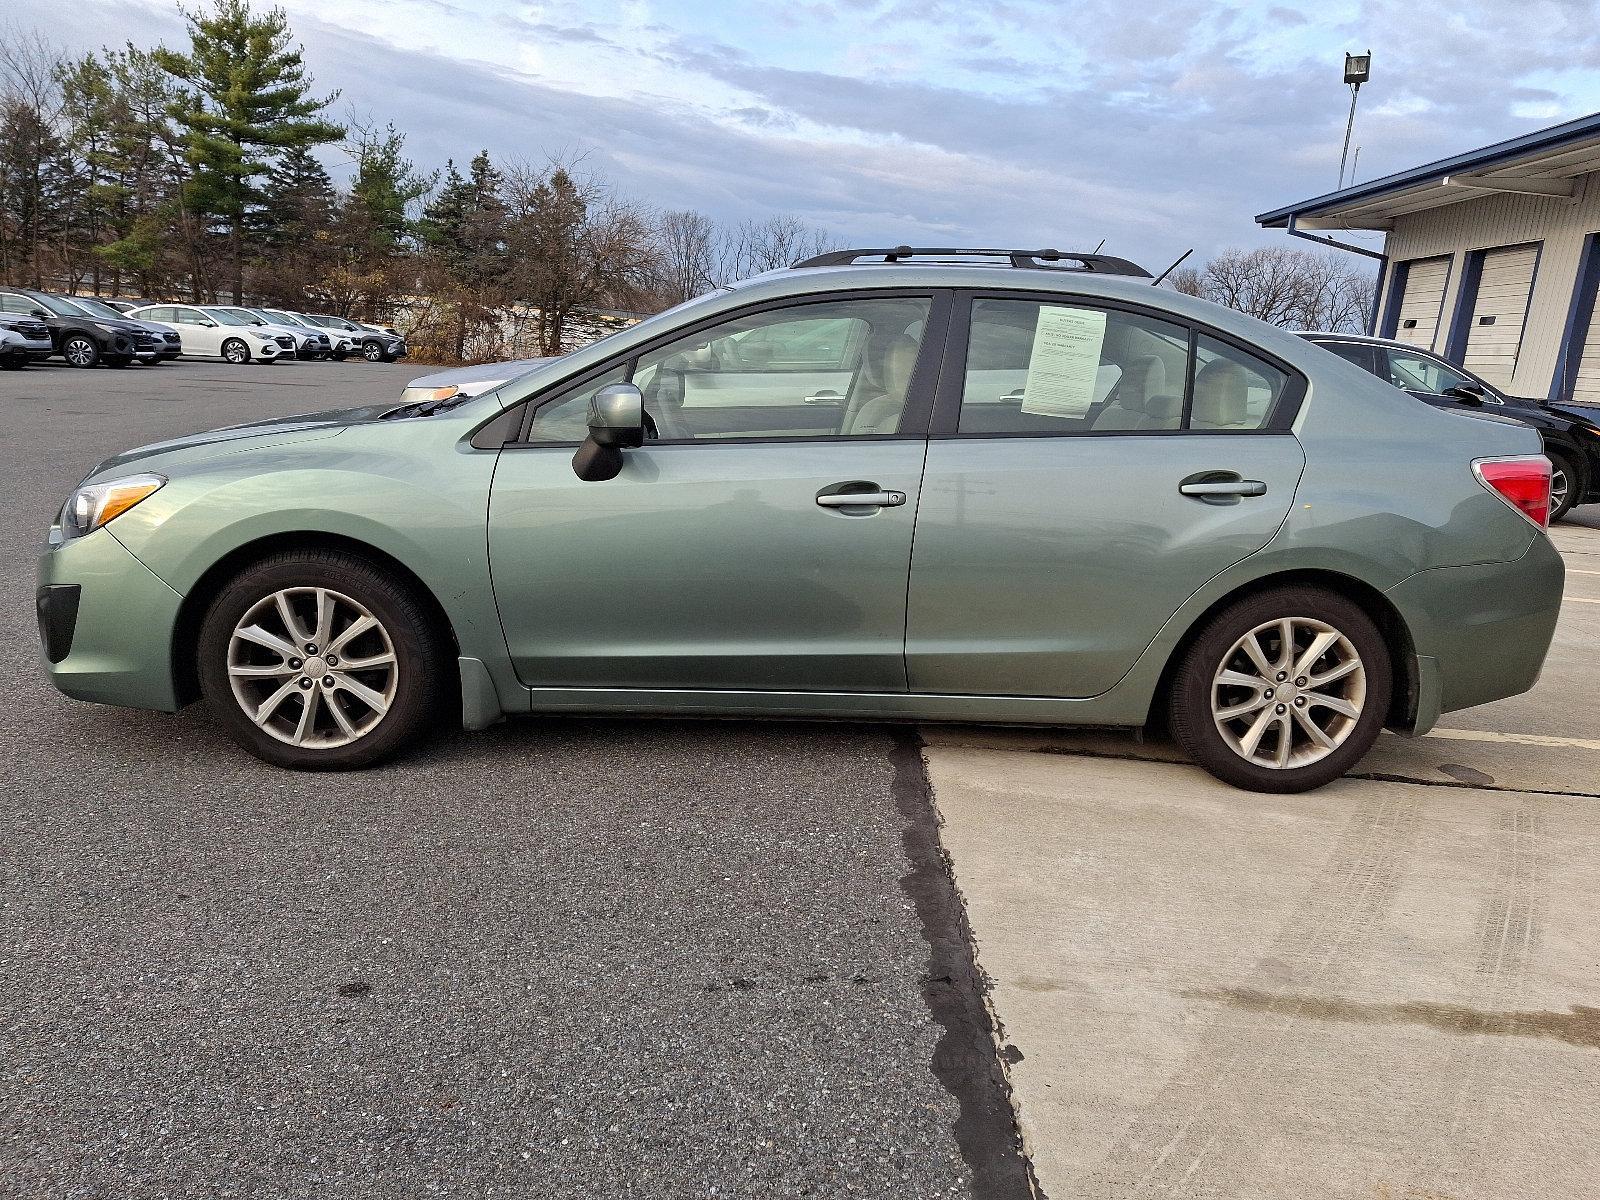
616	423
204	324
1470	393
38	312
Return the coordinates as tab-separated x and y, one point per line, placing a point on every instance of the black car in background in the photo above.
170	344
1571	440
81	339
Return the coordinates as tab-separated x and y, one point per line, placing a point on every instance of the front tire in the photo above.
320	660
80	351
235	351
372	352
1283	691
1565	485
13	363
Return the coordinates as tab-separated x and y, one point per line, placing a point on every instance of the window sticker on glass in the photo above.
1065	363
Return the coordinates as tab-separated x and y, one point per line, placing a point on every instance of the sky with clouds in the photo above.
1016	122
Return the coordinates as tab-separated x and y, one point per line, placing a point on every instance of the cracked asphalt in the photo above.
558	958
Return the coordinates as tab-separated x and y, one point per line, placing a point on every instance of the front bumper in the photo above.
114	640
1480	632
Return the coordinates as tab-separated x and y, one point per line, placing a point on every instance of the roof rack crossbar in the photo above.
1047	259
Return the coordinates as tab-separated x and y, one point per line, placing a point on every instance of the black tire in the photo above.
338	357
235	351
1565	467
119	361
1190	698
80	350
13	362
424	681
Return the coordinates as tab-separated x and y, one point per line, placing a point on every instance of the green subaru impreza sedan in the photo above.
925	485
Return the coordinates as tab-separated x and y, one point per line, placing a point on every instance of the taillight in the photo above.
1522	482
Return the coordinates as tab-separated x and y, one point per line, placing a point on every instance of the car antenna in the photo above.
1101	246
1157	280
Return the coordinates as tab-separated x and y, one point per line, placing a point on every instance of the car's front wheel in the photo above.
1283	691
235	351
80	351
372	351
321	660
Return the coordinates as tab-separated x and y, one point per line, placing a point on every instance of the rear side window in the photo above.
1233	390
1039	367
1353	352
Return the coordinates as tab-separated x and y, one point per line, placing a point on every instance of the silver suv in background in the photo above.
373	344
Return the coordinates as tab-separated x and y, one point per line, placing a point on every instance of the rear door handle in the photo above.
1224	487
862	500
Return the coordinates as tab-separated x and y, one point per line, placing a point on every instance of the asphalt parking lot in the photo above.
560	958
585	958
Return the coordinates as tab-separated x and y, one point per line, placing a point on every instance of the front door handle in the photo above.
862	499
828	397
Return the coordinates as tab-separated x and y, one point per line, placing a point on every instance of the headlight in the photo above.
414	395
92	506
104	328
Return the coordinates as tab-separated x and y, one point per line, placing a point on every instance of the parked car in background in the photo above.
468	381
23	340
1126	502
308	343
81	339
209	331
372	343
127	306
170	344
1571	441
340	344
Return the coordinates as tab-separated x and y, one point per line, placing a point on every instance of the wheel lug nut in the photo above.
327	681
1267	695
294	664
1282	675
1299	701
1282	709
331	660
311	648
1301	682
304	682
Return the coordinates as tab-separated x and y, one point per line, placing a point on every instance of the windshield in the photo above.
96	309
286	318
229	317
246	317
62	307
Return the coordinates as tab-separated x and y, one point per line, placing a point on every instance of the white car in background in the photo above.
340	344
307	343
215	331
467	382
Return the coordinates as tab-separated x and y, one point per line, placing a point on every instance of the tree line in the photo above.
198	173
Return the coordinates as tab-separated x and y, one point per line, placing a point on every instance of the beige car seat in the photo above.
889	378
1221	397
1144	379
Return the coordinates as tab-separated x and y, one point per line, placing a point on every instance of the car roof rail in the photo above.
1037	260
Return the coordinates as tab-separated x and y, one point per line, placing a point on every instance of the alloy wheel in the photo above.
1558	489
372	351
1288	693
235	351
312	667
80	352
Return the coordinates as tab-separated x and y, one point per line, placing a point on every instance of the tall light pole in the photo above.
1357	70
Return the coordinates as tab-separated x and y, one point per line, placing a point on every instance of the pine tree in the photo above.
249	103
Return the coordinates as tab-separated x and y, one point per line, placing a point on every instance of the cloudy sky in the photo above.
1157	126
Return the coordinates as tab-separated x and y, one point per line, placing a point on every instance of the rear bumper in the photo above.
111	621
1480	632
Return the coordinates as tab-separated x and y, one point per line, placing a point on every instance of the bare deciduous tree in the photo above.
1299	289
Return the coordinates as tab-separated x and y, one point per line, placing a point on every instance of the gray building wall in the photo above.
1505	219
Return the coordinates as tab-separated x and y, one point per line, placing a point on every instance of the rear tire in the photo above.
1565	485
259	673
14	363
1232	708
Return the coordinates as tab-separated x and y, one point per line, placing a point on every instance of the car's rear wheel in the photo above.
1563	485
13	362
235	351
80	351
1283	691
321	660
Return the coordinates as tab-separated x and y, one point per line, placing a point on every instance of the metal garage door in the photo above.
1586	387
1495	333
1418	322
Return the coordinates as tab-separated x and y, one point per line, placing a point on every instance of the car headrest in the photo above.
1221	396
1144	377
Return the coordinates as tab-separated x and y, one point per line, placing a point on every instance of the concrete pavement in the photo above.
1385	990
